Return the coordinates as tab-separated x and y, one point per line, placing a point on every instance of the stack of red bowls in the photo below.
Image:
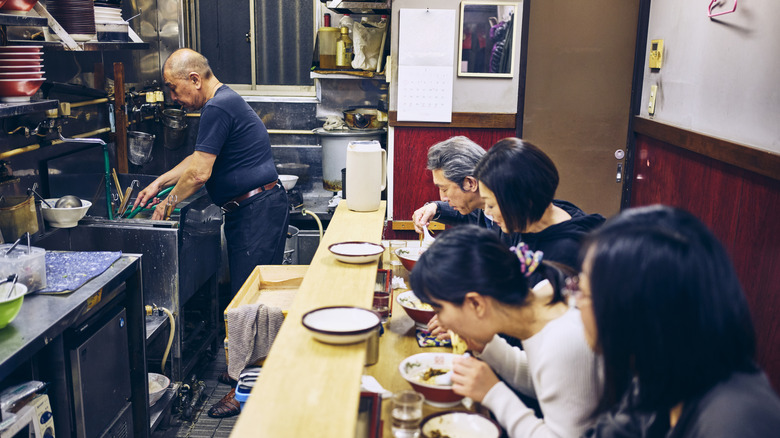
77	17
17	6
21	72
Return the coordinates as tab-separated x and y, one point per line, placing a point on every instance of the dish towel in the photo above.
67	271
252	329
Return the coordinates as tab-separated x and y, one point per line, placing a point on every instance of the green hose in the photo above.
108	182
138	209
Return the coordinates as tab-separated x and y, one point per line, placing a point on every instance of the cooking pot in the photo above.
365	118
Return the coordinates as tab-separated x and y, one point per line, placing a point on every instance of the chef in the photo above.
233	159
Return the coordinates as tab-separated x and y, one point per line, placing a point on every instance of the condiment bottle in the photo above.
344	50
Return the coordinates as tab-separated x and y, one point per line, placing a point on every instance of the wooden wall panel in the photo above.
413	184
740	207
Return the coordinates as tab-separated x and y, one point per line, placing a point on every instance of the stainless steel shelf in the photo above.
21	20
20	108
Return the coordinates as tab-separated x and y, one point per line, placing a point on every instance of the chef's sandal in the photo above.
227	407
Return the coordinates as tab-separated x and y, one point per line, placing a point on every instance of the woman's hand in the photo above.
472	378
422	216
436	329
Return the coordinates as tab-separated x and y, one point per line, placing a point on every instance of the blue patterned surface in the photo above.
68	270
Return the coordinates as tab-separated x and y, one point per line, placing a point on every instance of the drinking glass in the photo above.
382	305
407	414
395	263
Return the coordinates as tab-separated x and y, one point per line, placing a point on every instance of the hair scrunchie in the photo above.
529	260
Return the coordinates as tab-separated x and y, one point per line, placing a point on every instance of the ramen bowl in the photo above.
421	370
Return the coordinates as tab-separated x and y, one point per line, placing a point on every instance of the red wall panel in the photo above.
413	184
740	207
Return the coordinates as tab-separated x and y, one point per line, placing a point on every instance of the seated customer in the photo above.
479	289
661	302
518	181
452	163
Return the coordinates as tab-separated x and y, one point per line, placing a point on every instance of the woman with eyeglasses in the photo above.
662	304
479	288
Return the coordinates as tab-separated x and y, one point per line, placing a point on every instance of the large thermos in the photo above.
366	175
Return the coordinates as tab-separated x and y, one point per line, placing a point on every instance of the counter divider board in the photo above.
307	388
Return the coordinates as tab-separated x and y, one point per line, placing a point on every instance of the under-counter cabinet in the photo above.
89	347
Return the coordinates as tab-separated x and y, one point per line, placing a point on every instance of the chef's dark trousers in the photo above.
256	233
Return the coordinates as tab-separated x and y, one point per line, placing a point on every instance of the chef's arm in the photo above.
190	179
163	181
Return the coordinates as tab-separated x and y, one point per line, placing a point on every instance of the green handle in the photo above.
138	209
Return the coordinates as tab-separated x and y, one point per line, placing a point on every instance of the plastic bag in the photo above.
366	44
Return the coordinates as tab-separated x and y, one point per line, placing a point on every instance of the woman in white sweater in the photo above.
479	289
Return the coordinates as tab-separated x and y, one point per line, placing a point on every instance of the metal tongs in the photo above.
170	203
13	278
125	204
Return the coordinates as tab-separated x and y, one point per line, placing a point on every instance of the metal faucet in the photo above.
107	171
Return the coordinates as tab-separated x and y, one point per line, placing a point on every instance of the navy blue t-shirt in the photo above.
231	130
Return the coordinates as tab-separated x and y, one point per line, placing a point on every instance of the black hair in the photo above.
468	258
522	177
668	305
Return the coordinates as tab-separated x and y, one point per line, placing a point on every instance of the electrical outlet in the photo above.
651	101
656	54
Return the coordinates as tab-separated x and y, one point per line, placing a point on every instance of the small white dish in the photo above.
341	324
356	252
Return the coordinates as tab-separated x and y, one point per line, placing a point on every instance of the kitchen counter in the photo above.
307	388
32	345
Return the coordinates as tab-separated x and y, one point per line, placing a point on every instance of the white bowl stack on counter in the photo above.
21	72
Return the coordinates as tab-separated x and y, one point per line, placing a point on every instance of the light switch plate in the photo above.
656	54
651	101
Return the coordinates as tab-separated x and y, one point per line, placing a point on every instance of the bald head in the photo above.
182	62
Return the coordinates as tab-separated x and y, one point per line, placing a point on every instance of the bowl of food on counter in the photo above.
431	375
459	424
64	215
409	256
356	252
341	324
420	312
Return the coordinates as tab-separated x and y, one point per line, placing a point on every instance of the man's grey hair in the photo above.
455	157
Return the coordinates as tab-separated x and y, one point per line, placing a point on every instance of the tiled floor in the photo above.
202	425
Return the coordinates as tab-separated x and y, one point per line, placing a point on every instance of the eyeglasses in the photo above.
574	292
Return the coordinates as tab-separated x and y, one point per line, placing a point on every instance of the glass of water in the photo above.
407	414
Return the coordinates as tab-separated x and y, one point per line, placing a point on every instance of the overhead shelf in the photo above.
358	74
89	46
347	7
21	20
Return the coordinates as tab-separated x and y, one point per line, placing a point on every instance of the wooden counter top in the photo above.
307	388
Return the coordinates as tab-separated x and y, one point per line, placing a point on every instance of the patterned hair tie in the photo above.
529	260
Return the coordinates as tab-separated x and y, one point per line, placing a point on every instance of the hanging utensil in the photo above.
170	203
32	191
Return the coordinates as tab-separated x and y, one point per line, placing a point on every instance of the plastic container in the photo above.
326	37
242	395
30	267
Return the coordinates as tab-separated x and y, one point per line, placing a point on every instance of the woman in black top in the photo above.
661	302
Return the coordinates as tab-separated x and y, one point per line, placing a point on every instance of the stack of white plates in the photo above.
105	14
21	72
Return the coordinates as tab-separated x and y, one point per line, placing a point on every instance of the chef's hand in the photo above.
436	329
146	194
159	212
422	216
472	378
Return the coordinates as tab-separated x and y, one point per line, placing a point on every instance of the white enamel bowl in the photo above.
459	424
356	252
64	217
288	181
341	324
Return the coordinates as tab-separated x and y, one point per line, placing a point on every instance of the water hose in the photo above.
108	182
138	209
316	219
149	312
